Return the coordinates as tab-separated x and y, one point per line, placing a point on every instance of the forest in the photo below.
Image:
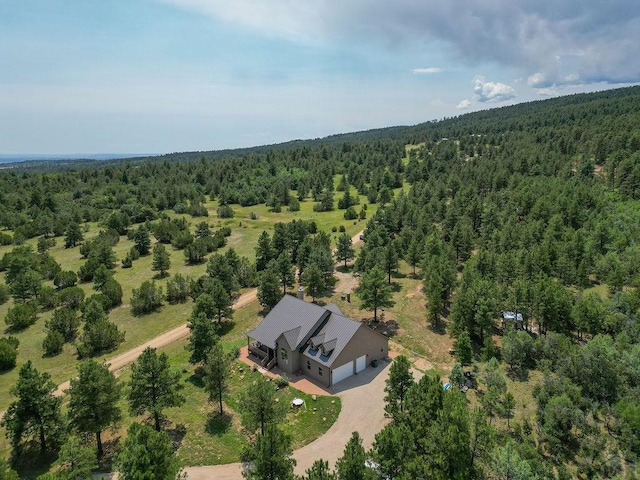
531	209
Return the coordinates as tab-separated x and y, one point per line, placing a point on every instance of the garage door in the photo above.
342	372
361	363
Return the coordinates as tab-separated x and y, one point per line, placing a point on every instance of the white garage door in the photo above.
361	363
342	372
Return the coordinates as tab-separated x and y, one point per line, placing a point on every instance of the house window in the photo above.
308	365
284	355
320	371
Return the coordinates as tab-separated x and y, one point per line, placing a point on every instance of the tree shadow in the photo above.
197	378
387	327
218	424
111	448
396	287
439	328
160	275
519	374
177	434
342	269
31	462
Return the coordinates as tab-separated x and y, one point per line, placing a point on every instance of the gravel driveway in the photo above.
362	410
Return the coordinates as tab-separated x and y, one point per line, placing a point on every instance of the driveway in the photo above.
362	397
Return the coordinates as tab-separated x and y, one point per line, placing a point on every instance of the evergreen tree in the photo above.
268	288
204	335
93	400
75	461
464	352
259	408
146	299
222	305
153	387
271	456
161	260
264	251
374	291
390	259
351	466
142	240
147	455
344	249
314	280
73	235
216	376
36	412
283	266
319	471
397	385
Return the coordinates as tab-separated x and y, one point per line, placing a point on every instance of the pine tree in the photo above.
374	291
73	235
147	454
93	400
161	260
344	249
268	288
397	385
153	387
216	376
351	466
271	456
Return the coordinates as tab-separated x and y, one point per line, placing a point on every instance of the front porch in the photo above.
299	382
264	356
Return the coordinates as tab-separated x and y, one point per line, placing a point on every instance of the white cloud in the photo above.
427	71
492	91
463	105
548	92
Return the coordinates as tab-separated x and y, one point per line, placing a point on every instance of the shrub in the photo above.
99	337
113	291
177	289
21	316
254	216
225	211
65	279
127	262
65	321
334	229
350	214
53	343
48	298
8	354
341	229
71	297
146	299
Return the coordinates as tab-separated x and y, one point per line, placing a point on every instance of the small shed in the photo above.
512	318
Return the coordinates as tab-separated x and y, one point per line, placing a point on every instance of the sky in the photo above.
159	76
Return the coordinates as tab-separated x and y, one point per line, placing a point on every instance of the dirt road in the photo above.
120	361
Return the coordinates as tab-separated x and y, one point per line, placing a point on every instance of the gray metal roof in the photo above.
338	332
289	314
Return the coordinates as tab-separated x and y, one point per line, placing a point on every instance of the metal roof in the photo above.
338	332
299	319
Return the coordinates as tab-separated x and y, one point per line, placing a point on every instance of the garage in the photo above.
361	363
342	372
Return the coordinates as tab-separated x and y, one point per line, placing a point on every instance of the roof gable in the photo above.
291	316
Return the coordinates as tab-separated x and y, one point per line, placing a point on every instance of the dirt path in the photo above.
120	361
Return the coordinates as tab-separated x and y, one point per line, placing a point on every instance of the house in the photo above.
320	342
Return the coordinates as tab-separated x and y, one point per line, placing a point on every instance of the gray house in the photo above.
320	342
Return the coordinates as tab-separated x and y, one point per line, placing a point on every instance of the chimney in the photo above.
301	293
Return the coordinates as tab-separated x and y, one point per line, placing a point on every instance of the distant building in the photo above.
320	342
512	318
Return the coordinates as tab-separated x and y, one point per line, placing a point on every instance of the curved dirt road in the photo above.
178	333
362	410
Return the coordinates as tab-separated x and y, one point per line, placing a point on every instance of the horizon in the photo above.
205	75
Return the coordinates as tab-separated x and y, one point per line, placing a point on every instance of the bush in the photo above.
225	211
8	354
294	204
334	229
113	291
350	214
146	299
65	279
127	262
177	289
341	229
65	321
254	216
71	297
21	316
5	239
99	337
180	208
53	344
48	298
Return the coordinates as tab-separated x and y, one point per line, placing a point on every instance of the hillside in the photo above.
531	209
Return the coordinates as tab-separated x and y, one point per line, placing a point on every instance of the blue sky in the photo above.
129	76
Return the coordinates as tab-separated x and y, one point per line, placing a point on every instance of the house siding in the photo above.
365	342
313	372
293	361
